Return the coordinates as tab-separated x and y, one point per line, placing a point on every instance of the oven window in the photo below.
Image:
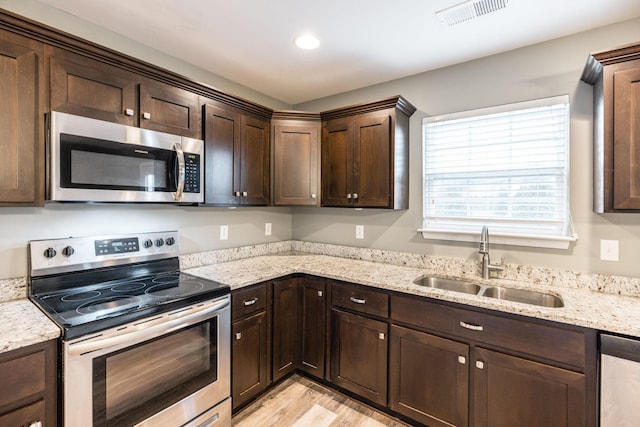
105	165
140	381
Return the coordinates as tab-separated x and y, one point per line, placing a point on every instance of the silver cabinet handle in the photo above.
355	195
128	112
349	196
319	293
358	300
146	116
182	171
250	301
36	424
236	193
238	336
479	364
471	326
462	360
313	195
381	335
245	194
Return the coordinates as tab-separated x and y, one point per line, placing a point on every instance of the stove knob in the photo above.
68	251
50	253
159	242
170	241
148	243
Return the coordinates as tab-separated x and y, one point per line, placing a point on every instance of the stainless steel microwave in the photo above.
96	161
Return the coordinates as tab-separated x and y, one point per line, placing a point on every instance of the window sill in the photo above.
501	238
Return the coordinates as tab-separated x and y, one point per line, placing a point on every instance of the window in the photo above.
505	167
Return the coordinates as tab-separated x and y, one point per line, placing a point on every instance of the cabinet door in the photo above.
222	156
509	391
285	327
359	355
169	109
626	133
249	358
26	416
429	378
372	154
254	168
313	325
337	162
296	165
89	88
21	117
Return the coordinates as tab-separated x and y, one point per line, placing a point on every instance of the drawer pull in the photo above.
238	336
358	300
146	116
128	112
36	424
479	364
319	293
471	326
250	301
462	360
381	335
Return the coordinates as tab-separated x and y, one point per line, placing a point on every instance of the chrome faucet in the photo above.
487	267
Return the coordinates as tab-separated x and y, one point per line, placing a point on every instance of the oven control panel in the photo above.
79	253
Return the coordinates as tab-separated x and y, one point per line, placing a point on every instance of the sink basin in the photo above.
524	296
448	284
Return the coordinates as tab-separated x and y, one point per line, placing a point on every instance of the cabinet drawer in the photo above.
22	377
248	301
547	341
360	299
423	314
26	416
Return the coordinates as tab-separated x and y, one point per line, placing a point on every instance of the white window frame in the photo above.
470	228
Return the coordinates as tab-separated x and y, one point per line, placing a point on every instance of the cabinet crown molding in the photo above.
597	60
397	101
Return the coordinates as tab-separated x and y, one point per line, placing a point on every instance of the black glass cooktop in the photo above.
90	308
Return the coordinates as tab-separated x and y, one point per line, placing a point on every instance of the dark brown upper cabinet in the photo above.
86	87
365	155
21	112
295	158
236	157
615	76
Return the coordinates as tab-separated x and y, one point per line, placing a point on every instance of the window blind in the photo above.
505	167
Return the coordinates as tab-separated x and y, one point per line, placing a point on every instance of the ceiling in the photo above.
362	42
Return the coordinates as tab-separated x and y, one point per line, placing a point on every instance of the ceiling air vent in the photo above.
469	10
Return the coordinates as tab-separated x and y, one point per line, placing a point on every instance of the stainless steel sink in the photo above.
524	296
448	284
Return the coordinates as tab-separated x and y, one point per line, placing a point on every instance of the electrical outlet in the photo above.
224	232
609	250
267	229
359	231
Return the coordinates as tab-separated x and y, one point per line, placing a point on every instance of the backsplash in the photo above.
12	289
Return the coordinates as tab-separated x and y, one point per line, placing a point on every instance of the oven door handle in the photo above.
149	329
177	196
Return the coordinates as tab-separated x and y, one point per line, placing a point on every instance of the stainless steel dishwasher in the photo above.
619	381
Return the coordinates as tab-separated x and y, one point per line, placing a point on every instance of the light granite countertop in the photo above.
22	323
608	312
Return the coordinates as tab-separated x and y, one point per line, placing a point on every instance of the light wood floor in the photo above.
300	402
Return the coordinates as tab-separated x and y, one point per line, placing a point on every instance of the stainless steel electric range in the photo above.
142	342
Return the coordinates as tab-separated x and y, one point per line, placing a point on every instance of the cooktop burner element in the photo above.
120	286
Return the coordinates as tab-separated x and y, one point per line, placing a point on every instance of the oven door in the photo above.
94	160
165	370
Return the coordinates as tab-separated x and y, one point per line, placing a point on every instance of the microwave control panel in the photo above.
192	173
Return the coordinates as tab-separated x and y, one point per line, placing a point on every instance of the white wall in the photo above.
542	70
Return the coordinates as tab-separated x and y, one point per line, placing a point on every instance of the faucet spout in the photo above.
487	267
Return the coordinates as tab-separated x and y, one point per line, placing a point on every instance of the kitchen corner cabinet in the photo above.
510	371
615	76
359	341
285	327
313	325
89	88
365	155
295	158
236	157
21	125
29	383
250	345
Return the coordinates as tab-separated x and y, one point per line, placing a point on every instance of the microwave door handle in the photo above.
181	172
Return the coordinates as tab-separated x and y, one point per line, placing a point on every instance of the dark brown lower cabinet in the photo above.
249	376
359	355
428	378
510	391
285	327
313	325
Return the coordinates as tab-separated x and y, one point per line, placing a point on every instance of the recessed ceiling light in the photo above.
307	41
